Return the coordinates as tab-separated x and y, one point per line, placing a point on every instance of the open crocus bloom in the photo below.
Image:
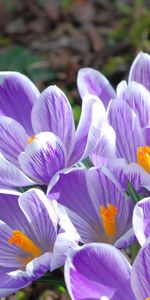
33	238
128	113
101	272
37	132
95	204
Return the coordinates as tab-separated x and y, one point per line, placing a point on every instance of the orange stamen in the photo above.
143	158
19	239
31	139
108	216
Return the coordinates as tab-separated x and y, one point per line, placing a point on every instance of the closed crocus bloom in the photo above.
37	131
33	238
128	115
100	271
96	205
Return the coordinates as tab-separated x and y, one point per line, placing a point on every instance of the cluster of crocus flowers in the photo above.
128	114
66	205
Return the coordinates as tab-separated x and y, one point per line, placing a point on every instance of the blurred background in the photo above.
50	40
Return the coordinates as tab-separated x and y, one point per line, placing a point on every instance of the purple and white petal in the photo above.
141	220
53	112
63	246
13	139
90	81
71	190
93	117
140	70
34	270
129	135
9	254
43	157
126	240
17	96
98	271
140	274
9	285
10	175
146	132
104	189
132	172
106	149
41	215
138	98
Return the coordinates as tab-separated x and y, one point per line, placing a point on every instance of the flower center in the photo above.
31	139
147	298
19	239
108	215
143	158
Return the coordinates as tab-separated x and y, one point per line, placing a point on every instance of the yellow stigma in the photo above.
31	139
19	239
147	298
143	158
108	216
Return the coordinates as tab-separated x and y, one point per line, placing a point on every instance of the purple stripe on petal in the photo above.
63	246
141	220
91	81
13	139
104	190
140	275
93	117
140	70
41	216
43	157
10	175
132	172
126	240
17	96
52	112
106	149
9	285
129	135
34	270
98	271
72	192
9	254
137	96
14	217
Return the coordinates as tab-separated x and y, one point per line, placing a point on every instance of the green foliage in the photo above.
131	191
133	27
76	107
20	295
21	60
131	32
113	63
67	4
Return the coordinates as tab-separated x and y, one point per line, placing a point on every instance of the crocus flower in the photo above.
141	220
37	132
100	271
128	113
95	204
34	238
